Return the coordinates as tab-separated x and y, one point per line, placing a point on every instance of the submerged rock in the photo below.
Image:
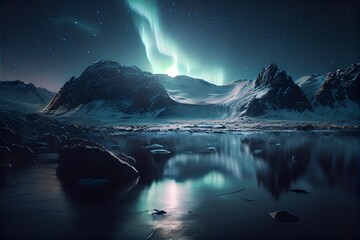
89	162
295	190
284	216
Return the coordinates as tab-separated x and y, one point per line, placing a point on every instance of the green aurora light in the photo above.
164	55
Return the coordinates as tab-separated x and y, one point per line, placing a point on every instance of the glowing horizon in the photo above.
163	53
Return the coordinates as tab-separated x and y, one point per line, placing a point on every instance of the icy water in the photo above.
227	194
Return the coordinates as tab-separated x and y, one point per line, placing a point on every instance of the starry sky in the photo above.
48	41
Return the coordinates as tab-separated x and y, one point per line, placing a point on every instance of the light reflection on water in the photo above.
189	181
188	184
276	161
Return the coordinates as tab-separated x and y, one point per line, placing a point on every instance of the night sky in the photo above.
46	42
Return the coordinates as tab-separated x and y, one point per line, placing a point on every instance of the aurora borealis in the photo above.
47	41
162	52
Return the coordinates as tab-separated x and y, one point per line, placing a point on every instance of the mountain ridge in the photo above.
19	91
108	89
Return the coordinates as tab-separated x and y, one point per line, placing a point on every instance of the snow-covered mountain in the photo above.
310	85
273	90
189	90
20	92
125	89
340	88
110	92
335	94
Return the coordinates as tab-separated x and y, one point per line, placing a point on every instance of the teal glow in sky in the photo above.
48	42
163	52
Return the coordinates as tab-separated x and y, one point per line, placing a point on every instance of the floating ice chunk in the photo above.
160	151
153	146
209	150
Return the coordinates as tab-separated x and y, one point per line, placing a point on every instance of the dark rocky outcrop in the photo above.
279	93
83	142
52	140
9	136
126	89
42	147
89	162
340	86
22	156
5	164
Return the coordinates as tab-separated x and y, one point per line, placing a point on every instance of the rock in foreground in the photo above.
284	216
88	162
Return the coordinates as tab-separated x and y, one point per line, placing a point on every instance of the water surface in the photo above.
192	186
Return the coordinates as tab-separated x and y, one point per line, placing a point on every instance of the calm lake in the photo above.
212	186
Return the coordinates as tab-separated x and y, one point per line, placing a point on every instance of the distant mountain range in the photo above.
109	92
112	92
21	92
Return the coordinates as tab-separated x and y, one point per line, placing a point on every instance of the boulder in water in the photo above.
284	216
89	162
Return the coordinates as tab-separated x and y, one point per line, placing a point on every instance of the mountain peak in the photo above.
128	89
20	91
339	87
270	75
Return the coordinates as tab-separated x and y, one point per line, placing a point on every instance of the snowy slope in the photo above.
109	92
18	91
112	93
189	90
340	87
310	85
273	90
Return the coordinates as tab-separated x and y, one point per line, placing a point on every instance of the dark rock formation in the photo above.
9	136
5	164
88	162
281	93
22	156
340	86
126	89
83	142
52	140
42	147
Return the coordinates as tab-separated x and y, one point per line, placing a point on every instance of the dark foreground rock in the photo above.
5	164
9	136
284	216
22	156
51	139
83	142
80	162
